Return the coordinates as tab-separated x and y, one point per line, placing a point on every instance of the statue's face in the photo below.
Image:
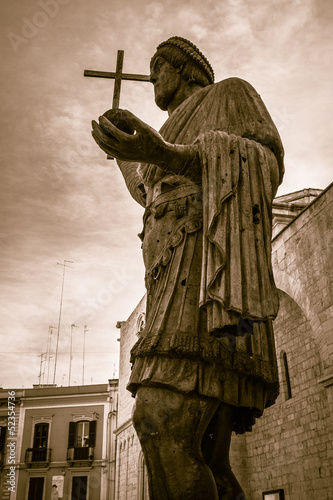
166	80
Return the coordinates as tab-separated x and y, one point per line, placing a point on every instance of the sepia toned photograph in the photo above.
166	250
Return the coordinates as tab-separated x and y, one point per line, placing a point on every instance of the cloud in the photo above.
63	200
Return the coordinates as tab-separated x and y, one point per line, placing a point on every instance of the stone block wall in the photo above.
291	446
129	463
128	337
302	261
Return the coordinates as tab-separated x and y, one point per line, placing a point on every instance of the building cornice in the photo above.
326	381
66	396
302	211
123	426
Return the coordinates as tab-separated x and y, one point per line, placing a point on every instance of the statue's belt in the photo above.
173	200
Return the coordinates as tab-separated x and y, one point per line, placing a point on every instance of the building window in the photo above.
79	487
273	495
39	453
3	430
286	377
41	435
36	488
2	437
81	440
143	491
39	450
82	434
140	323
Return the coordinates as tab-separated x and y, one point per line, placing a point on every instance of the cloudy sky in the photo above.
61	200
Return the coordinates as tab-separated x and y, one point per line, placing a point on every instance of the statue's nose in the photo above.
153	77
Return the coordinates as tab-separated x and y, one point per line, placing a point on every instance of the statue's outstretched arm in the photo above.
146	145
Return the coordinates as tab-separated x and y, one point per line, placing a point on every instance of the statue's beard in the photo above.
162	102
166	96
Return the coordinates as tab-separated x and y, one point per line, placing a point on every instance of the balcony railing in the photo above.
83	454
37	455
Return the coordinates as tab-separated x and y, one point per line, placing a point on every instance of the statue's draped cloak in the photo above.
214	240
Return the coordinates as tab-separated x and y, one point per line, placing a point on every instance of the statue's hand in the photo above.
145	145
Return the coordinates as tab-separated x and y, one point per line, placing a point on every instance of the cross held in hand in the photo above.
118	76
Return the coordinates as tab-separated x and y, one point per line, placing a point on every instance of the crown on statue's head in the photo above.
193	52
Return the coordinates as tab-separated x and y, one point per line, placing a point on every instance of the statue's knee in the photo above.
156	413
143	419
139	413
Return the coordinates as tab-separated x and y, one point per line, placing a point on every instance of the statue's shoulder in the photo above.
234	106
221	93
233	85
234	80
231	81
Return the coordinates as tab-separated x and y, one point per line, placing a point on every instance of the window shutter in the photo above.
92	433
71	434
2	438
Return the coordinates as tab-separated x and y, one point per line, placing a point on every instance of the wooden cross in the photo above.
118	77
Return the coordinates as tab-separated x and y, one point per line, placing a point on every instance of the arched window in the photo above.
140	323
143	491
285	375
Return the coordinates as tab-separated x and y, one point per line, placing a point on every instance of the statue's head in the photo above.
181	53
184	66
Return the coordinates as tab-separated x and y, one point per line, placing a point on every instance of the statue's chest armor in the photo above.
172	206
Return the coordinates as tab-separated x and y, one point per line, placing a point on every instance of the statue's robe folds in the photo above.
211	296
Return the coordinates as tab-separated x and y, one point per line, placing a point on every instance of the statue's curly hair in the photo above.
182	53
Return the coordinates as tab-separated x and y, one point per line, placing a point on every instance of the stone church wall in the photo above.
128	455
291	446
128	337
127	464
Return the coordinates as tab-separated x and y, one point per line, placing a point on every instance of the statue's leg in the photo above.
170	426
215	448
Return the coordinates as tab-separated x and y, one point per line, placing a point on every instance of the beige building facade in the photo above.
62	445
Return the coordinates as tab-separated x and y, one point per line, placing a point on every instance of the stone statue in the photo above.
205	363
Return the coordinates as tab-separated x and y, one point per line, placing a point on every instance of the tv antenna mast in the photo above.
71	354
41	374
85	330
48	352
59	321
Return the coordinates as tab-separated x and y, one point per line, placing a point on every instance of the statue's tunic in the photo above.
206	245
